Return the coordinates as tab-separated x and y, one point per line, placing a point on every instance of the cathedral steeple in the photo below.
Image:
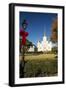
44	45
44	34
44	31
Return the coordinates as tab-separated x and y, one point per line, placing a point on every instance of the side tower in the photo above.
39	46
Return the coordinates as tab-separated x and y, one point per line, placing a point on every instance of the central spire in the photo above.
44	34
44	31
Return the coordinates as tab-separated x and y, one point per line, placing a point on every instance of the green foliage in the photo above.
28	43
55	49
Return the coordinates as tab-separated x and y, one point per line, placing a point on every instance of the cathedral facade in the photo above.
44	45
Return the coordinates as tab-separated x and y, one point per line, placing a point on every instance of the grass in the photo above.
41	65
40	57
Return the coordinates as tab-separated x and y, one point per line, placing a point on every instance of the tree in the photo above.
54	35
28	44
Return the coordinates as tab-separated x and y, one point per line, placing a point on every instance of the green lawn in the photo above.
41	65
40	57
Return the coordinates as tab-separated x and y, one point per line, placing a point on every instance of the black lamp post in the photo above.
24	26
22	64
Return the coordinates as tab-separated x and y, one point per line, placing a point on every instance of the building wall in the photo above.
31	49
44	45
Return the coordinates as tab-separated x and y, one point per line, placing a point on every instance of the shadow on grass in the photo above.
39	68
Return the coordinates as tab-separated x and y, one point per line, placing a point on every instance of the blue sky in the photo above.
38	23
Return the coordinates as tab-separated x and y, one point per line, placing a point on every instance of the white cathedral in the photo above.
44	45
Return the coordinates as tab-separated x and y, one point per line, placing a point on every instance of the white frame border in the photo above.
40	79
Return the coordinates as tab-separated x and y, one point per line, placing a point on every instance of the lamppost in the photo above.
23	34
